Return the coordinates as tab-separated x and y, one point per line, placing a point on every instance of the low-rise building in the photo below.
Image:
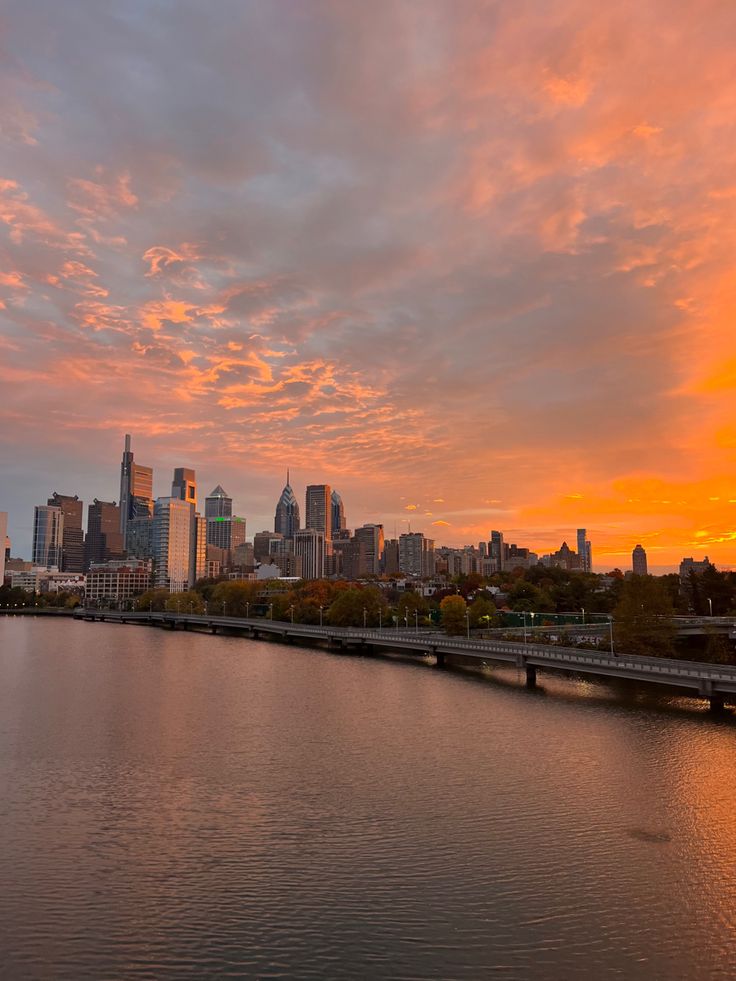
118	580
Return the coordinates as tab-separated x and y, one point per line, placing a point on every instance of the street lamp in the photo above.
416	620
291	610
380	619
467	624
583	612
365	617
406	619
270	611
223	607
610	627
710	604
320	615
247	609
523	613
191	607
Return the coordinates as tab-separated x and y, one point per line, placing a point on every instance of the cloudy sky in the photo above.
471	263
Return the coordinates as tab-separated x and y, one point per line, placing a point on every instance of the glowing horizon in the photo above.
472	271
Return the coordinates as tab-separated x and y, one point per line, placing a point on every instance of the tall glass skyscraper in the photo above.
337	509
48	531
136	490
286	522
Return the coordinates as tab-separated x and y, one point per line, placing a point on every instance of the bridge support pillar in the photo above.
531	676
717	703
439	659
213	628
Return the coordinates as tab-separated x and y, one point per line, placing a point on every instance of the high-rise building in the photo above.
639	561
174	530
309	545
337	513
48	532
218	504
390	558
3	536
319	509
263	544
286	521
371	536
136	490
496	550
72	541
104	540
416	554
585	556
184	486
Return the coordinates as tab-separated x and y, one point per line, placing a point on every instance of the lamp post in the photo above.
710	605
467	624
416	620
270	611
247	609
523	613
291	610
610	627
223	607
380	619
365	618
406	619
191	607
583	612
320	615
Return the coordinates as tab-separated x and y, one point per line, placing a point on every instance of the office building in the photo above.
319	509
136	490
584	551
174	530
693	565
104	540
639	561
118	581
309	546
48	531
416	554
224	530
184	486
218	504
390	558
337	512
72	540
371	536
286	521
496	550
263	544
139	537
3	536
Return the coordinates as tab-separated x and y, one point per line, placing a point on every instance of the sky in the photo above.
472	264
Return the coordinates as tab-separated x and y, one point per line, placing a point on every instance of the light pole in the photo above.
710	605
365	617
320	615
223	607
406	619
380	619
467	624
291	610
191	607
416	620
610	627
247	610
270	611
205	607
583	612
523	613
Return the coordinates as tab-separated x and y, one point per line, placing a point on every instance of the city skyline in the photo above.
475	276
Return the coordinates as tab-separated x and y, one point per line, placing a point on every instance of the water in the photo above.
177	805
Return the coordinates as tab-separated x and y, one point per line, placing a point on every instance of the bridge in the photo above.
714	682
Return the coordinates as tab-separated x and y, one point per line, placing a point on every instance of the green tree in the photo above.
347	608
188	602
453	610
643	618
525	597
234	598
483	612
409	604
153	600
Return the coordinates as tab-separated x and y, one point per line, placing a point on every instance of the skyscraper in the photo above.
48	531
136	490
72	541
104	540
639	561
337	512
184	486
286	521
371	536
416	554
224	529
319	509
496	551
218	504
174	531
309	546
585	557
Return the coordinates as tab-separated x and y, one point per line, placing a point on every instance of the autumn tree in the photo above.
188	602
453	609
643	618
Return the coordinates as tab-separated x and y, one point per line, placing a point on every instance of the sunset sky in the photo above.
470	263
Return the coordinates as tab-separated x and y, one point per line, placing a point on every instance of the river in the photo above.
177	805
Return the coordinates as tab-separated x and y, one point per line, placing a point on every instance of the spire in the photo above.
287	477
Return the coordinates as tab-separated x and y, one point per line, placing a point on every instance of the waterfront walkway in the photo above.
714	682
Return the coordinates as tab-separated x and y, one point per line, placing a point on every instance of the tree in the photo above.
483	612
453	609
643	618
409	604
525	597
348	606
188	602
153	600
234	598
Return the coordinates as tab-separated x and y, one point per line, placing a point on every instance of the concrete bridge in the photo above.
714	682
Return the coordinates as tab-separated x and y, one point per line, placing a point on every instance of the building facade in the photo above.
48	532
286	519
136	490
639	561
337	515
318	515
104	540
172	535
72	539
118	581
309	546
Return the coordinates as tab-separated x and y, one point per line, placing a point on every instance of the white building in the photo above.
309	544
119	580
174	530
